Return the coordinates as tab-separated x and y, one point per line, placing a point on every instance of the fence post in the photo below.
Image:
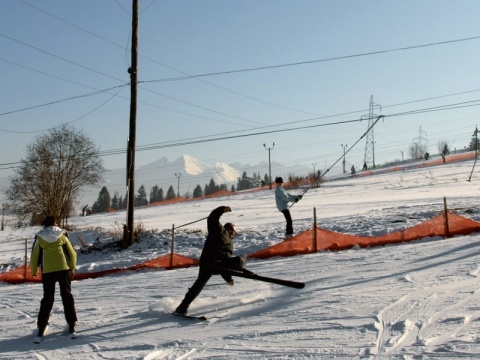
25	264
445	211
173	246
315	247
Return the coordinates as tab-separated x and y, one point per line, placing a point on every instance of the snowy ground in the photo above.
417	300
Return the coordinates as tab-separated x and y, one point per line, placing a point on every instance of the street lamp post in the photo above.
344	148
178	183
3	216
314	169
269	165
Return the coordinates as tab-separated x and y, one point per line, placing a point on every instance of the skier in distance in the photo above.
282	199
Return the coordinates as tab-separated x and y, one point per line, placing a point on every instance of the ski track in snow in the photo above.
170	354
414	319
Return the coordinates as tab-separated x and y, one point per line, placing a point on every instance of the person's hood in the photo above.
51	234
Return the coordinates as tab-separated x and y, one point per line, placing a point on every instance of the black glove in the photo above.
300	197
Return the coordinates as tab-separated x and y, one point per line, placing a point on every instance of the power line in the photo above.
62	100
72	121
300	63
222	137
159	63
218	73
101	91
162	179
316	61
44	73
59	57
188	76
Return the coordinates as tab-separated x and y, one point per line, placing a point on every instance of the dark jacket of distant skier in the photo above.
216	254
218	248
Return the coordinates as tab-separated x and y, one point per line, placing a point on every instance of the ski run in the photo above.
416	300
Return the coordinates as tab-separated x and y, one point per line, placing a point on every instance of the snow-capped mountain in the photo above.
184	174
192	166
222	173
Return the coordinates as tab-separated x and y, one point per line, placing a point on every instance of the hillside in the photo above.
412	300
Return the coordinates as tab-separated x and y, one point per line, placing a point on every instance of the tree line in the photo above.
60	162
157	194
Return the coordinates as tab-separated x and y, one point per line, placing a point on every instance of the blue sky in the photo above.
55	50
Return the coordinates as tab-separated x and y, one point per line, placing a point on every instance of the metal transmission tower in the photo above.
420	145
369	157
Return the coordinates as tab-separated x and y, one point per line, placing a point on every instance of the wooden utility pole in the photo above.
128	231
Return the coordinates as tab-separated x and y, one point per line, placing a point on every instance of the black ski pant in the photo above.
288	218
205	273
64	279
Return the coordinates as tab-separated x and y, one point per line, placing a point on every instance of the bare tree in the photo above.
417	150
58	164
443	147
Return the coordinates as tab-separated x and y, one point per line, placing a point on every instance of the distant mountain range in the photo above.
184	174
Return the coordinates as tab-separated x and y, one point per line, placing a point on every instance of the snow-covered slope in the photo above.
415	300
184	173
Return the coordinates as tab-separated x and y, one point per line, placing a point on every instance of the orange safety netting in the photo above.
310	241
19	275
169	261
448	159
23	274
445	225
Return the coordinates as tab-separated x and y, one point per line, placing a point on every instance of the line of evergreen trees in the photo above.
118	202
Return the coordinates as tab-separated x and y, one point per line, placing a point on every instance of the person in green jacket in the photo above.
53	253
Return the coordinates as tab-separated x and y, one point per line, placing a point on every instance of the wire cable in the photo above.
317	61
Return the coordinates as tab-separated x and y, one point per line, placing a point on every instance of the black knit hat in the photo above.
279	180
49	221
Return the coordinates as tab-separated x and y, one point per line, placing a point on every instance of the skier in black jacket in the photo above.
216	253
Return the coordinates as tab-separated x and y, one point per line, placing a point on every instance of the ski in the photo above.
249	275
200	318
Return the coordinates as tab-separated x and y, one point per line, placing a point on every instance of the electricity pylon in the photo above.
369	157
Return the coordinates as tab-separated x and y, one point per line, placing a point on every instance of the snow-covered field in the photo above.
417	300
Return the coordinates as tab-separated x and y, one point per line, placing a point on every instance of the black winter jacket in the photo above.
218	245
